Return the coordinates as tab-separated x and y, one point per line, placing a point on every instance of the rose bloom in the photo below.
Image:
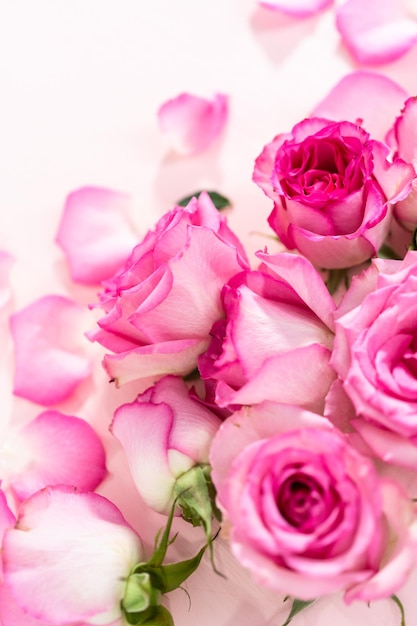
375	355
161	306
307	513
165	432
276	339
332	188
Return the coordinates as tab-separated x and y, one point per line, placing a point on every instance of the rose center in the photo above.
300	501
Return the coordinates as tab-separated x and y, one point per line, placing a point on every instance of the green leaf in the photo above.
400	606
297	607
413	245
335	278
385	252
219	201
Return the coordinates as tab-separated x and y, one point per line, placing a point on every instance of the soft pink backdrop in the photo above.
81	82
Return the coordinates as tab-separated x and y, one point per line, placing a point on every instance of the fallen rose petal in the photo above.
193	123
53	449
373	99
297	8
378	32
49	358
6	261
95	233
68	558
405	131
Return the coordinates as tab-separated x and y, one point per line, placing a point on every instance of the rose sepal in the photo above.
297	607
196	497
151	579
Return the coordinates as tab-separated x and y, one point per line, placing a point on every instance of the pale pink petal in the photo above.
53	449
177	357
193	123
6	261
49	349
400	514
7	519
95	233
68	557
366	96
297	8
298	272
379	31
301	376
144	430
387	445
406	140
252	423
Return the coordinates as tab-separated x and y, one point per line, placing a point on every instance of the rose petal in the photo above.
144	430
400	515
379	32
193	123
6	261
68	557
54	449
305	280
306	380
49	357
95	233
177	357
7	519
371	98
297	8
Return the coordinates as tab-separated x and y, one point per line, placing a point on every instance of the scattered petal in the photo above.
53	449
193	123
379	32
367	97
68	557
6	261
95	233
297	8
49	349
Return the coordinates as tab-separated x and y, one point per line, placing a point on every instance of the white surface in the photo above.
81	82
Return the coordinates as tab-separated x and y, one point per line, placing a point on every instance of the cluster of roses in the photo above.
293	397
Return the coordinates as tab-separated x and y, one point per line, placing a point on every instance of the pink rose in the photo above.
165	433
405	139
161	306
375	355
308	514
332	188
276	340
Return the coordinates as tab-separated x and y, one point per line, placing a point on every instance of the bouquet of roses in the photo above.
275	396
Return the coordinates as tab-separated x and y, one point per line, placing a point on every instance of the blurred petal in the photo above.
95	233
69	555
193	123
7	519
376	32
53	449
49	357
297	8
368	97
6	261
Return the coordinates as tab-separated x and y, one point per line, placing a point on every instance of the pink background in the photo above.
81	82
